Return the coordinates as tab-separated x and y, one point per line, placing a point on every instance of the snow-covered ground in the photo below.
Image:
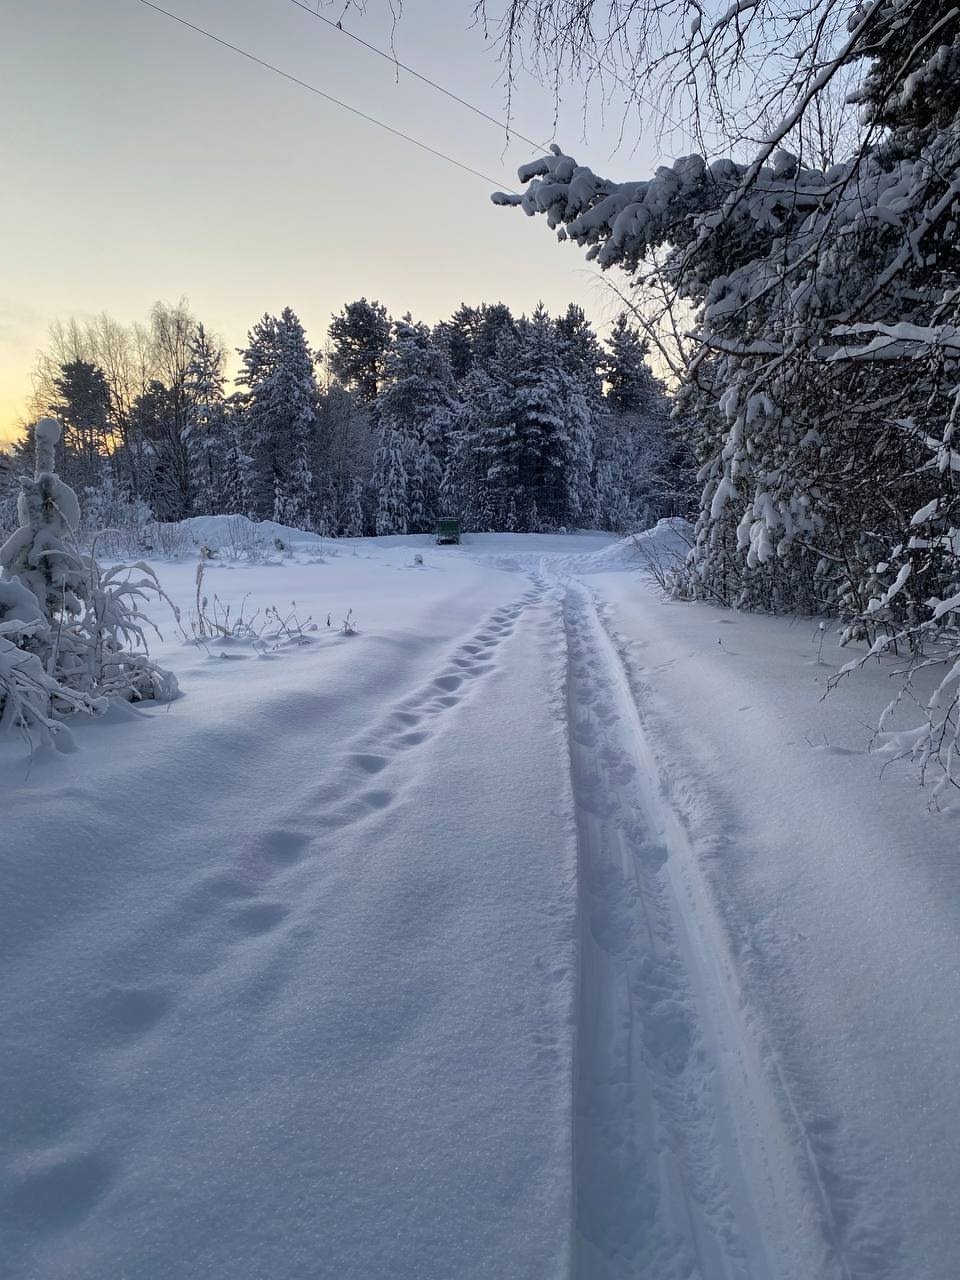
542	927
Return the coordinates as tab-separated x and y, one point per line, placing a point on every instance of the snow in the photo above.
218	532
297	969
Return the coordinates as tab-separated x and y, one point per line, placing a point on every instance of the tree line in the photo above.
522	423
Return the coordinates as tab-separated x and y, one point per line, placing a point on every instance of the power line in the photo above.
311	88
395	62
599	62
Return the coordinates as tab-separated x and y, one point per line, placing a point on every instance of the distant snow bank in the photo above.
668	539
235	535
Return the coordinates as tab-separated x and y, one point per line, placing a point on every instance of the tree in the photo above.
643	461
360	336
546	444
82	405
279	419
820	388
390	485
170	485
416	404
456	337
71	637
344	457
206	430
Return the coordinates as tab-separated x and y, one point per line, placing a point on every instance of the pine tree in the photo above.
237	462
546	428
343	457
360	338
82	405
353	524
417	403
206	431
279	417
390	485
643	472
457	337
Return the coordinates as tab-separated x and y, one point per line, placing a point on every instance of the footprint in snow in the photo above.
364	804
124	1013
376	799
260	917
668	1033
59	1190
284	847
369	763
448	683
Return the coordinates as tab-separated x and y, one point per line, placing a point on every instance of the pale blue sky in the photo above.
143	162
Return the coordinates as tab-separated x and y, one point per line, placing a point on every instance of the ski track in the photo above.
689	1160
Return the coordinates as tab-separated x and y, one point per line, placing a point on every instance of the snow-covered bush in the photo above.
71	636
169	540
112	523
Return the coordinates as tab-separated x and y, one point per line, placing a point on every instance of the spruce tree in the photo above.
206	431
417	404
390	485
279	416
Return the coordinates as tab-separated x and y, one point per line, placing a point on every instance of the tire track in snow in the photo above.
684	1167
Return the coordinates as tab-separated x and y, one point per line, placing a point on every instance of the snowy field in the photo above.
539	927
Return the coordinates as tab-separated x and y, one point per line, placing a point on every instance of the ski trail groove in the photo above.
684	1168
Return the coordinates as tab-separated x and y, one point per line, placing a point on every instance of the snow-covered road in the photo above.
542	928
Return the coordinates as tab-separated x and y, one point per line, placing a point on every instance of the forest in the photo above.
524	424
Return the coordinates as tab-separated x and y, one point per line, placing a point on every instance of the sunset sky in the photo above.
145	162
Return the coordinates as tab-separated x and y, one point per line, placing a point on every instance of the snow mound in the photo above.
233	535
669	539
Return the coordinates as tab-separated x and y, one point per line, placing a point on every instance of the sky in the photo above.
145	162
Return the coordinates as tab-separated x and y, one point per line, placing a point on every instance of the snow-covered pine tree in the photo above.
390	486
545	433
353	520
344	457
279	416
206	429
456	337
463	488
802	476
237	463
644	467
489	421
493	326
417	403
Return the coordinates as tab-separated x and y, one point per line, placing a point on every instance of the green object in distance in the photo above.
448	530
